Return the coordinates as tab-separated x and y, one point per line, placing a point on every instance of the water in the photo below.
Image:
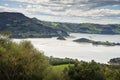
80	51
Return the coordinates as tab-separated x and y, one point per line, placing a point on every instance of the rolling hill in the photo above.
22	26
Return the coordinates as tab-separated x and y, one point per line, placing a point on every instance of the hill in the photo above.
106	43
23	27
85	27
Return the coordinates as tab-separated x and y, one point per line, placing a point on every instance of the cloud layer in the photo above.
71	4
94	11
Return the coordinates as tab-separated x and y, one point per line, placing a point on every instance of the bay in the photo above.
80	51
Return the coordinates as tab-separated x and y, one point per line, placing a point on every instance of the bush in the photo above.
84	71
21	61
53	74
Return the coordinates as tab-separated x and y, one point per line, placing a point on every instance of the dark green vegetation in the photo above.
22	27
23	62
85	71
62	66
61	38
115	61
84	27
107	43
92	71
83	40
60	61
89	71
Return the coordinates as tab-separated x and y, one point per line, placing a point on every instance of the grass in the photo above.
61	67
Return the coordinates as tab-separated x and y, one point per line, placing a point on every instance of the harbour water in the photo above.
80	51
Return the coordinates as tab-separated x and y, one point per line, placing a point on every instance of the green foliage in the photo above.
6	34
60	61
112	73
85	27
85	71
21	61
54	24
53	74
61	67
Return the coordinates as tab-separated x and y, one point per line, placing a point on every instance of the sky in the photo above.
73	11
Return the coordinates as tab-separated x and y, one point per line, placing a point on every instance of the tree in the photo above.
21	61
53	74
85	71
111	74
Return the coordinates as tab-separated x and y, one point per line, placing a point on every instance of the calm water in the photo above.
81	51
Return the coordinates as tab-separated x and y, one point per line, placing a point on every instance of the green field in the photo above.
61	67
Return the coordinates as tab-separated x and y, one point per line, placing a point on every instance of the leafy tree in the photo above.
85	71
53	74
112	74
21	61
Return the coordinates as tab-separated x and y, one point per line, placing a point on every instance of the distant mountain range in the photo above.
85	27
22	27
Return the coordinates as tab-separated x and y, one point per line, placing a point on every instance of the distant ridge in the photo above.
89	28
23	27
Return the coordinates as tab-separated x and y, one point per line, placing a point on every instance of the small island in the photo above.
114	61
106	43
61	38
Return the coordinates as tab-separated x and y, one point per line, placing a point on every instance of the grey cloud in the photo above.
83	4
72	4
76	9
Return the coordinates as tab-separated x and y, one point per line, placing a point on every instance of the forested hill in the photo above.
22	26
85	27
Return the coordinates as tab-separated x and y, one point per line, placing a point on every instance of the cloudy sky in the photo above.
75	11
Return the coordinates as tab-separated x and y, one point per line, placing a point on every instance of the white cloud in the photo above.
69	10
21	10
72	4
32	1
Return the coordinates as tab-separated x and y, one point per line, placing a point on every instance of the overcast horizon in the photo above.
73	11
